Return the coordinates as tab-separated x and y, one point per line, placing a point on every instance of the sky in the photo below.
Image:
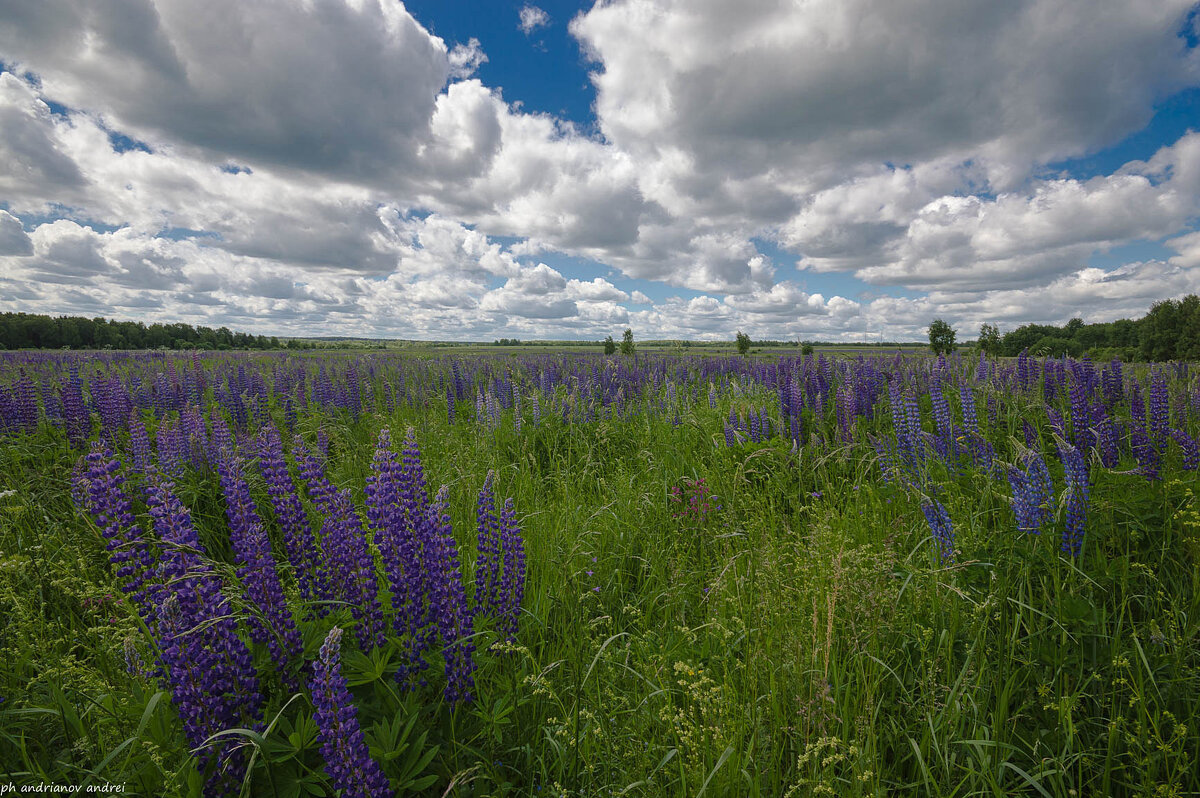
795	169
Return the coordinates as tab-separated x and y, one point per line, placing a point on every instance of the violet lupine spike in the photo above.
349	558
208	667
348	761
1189	448
448	604
1078	489
512	584
941	526
128	551
1160	412
139	444
258	572
307	563
397	540
1024	506
487	564
319	488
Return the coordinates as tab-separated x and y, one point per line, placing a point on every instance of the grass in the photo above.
801	637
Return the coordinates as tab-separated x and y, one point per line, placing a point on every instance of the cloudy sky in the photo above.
816	169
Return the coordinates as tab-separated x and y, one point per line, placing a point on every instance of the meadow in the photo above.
513	573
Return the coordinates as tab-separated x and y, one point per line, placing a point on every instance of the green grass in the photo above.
803	639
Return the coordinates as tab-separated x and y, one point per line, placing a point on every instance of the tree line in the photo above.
1170	331
35	331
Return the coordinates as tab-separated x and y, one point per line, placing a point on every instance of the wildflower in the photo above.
348	761
941	526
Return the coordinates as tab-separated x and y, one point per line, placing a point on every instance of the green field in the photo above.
774	617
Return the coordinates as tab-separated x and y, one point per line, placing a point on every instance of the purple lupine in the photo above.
1023	505
348	761
194	435
1078	488
1083	437
139	444
730	435
1031	493
258	572
398	538
211	673
1189	448
487	564
76	418
128	551
350	559
941	526
1144	452
1106	436
512	584
1160	412
172	450
312	576
448	603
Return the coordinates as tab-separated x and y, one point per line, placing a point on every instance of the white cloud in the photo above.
335	165
532	18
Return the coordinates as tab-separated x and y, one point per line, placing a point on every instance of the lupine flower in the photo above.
941	526
311	573
348	556
348	761
1160	412
258	572
1191	451
399	533
210	671
1031	493
1078	490
448	603
487	564
128	550
139	443
512	584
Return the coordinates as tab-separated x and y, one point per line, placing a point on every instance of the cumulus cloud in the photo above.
531	18
335	165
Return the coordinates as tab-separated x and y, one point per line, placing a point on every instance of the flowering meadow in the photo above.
280	574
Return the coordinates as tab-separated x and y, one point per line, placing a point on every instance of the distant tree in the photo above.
743	343
989	339
627	346
941	337
610	345
1160	330
806	349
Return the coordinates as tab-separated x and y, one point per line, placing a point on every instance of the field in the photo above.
663	575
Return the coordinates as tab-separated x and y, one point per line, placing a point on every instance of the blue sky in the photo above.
840	169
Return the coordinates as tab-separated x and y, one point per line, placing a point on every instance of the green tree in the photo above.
989	339
1161	330
941	337
610	345
743	343
627	347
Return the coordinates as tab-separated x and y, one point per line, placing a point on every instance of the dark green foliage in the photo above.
743	343
34	331
627	346
989	339
941	337
1170	331
610	346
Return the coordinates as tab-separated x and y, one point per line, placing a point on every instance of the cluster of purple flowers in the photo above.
500	567
1078	490
348	761
941	526
1032	490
